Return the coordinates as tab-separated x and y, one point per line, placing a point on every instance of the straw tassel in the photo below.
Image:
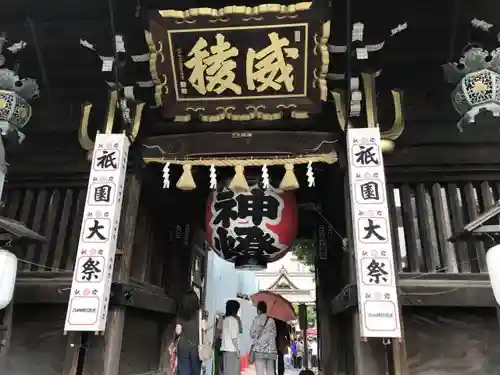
239	183
186	181
289	181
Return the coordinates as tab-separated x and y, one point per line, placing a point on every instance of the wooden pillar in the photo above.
73	351
329	275
178	259
399	355
372	356
103	352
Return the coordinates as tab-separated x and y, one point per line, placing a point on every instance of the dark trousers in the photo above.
188	361
314	360
281	364
298	362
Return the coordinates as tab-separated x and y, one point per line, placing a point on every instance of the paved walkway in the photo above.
251	371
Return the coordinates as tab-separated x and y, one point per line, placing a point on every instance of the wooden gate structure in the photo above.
438	178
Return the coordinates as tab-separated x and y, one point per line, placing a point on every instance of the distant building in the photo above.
290	278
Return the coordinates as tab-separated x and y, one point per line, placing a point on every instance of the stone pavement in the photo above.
251	371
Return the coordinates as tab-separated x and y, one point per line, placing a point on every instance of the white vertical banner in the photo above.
376	278
93	273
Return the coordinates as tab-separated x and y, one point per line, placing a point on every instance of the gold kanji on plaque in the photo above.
271	69
240	63
213	71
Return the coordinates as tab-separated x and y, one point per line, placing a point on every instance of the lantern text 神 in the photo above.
255	224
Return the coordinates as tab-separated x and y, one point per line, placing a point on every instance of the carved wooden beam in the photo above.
388	136
54	287
109	123
248	143
443	292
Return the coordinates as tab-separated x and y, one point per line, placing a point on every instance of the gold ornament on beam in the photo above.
83	135
389	136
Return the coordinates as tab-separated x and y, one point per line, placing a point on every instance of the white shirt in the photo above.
230	331
314	347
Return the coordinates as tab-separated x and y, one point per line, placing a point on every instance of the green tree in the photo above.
304	250
311	314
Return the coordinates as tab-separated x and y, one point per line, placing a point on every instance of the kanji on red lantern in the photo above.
255	224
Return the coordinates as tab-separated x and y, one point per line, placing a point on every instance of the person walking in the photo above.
300	353
314	352
282	343
217	343
294	353
187	335
229	339
263	335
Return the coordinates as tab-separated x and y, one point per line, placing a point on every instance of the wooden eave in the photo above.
55	287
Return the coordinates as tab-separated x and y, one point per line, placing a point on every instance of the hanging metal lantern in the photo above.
14	96
252	228
477	77
15	110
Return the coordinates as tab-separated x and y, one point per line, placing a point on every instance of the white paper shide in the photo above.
377	292
93	273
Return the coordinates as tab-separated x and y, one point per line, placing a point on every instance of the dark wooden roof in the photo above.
70	74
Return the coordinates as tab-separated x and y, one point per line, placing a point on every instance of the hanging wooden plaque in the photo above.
239	63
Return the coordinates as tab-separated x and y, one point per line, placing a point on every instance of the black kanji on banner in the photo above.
107	160
102	193
377	272
372	231
90	269
367	156
370	191
95	231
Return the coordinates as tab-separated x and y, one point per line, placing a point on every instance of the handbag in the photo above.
251	354
204	352
172	349
204	348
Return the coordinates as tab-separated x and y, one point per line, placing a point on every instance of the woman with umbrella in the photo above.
280	310
263	334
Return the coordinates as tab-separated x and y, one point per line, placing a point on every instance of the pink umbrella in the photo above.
278	307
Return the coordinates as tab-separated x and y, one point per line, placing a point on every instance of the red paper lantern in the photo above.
253	228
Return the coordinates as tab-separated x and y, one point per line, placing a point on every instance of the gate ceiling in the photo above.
70	73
